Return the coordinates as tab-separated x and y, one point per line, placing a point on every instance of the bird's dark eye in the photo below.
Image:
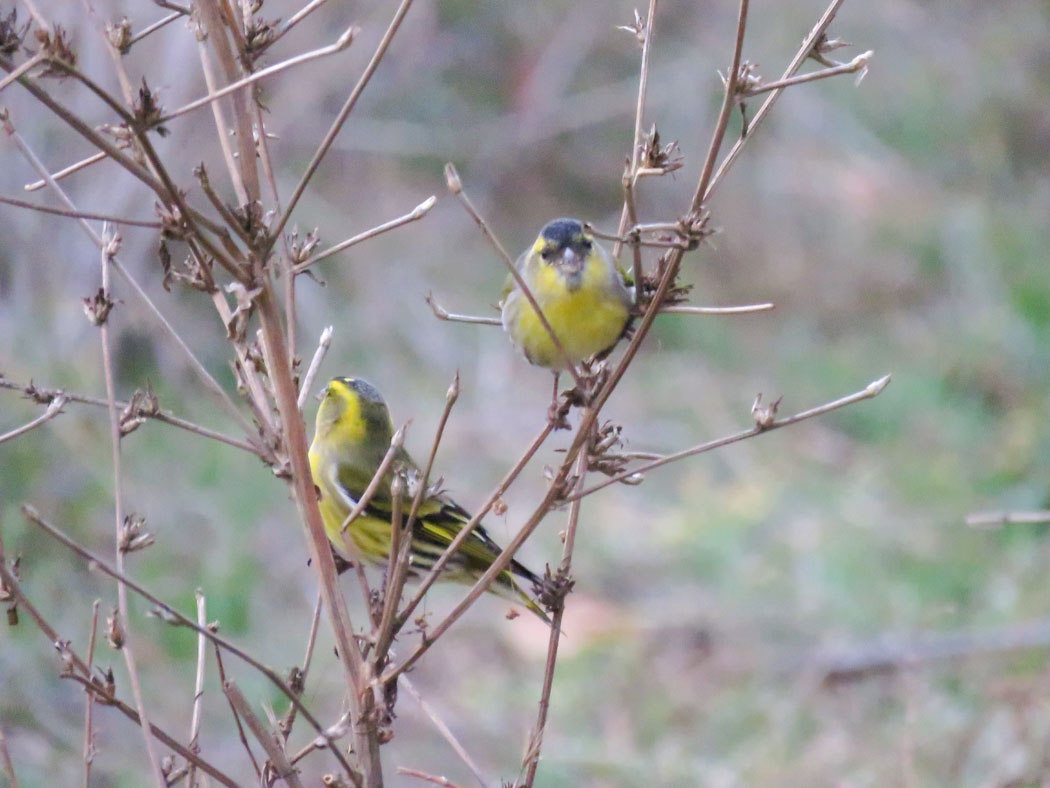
548	253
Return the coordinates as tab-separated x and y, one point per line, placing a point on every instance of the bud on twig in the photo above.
114	630
765	415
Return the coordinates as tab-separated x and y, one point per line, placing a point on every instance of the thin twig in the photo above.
430	778
221	126
398	569
92	159
22	69
184	10
563	578
198	685
870	391
236	716
53	409
676	309
311	641
298	17
729	98
443	314
315	366
78	214
397	441
217	23
857	64
290	306
889	654
5	760
109	247
162	22
455	185
446	732
340	119
997	519
415	214
629	214
89	701
267	739
340	44
40	394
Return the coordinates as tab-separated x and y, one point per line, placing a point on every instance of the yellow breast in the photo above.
586	320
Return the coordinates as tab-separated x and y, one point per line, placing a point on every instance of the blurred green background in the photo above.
899	227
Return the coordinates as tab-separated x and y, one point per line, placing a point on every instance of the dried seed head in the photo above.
119	35
11	35
173	225
98	307
109	683
636	28
148	111
654	156
765	415
748	78
258	36
59	51
111	241
114	630
824	45
301	250
132	534
296	679
66	655
142	406
252	219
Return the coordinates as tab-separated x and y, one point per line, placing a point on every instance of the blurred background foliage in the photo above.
899	227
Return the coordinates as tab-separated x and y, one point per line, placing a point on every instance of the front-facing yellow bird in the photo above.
353	435
579	291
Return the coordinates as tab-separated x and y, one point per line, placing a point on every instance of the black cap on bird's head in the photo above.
563	232
565	244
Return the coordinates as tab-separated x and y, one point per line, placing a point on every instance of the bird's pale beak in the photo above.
571	262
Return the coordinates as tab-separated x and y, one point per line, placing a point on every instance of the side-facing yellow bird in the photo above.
578	289
352	437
